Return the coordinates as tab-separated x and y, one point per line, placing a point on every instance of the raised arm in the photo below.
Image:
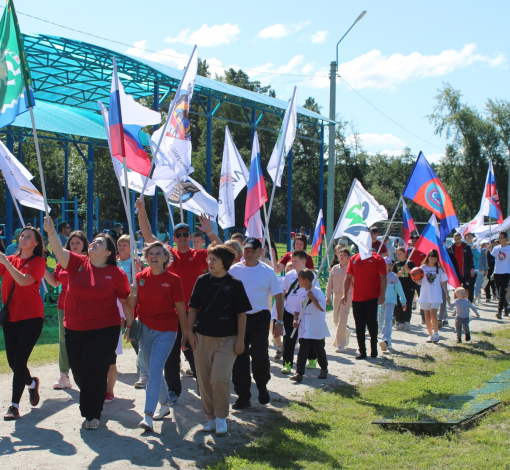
205	226
50	279
56	245
143	220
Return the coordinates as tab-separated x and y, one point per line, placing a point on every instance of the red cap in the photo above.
292	234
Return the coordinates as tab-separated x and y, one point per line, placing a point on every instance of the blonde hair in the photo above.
236	246
124	238
161	245
460	289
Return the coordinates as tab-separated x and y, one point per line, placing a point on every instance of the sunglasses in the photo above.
181	234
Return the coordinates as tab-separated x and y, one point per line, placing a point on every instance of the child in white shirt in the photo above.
313	328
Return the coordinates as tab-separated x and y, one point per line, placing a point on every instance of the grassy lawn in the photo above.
331	428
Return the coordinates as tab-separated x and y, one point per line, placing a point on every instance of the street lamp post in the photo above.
332	116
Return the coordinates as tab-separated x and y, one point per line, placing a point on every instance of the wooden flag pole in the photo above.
180	199
389	225
130	226
39	162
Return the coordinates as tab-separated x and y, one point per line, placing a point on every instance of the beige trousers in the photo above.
340	315
214	359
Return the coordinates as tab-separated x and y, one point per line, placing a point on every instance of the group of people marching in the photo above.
217	306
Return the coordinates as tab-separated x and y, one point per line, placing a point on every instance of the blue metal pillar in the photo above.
9	227
154	218
208	164
90	192
66	181
253	125
76	222
191	226
97	212
289	200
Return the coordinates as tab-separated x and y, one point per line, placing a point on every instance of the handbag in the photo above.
484	282
4	312
135	330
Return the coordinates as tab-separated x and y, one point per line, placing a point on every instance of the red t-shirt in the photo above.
376	245
157	296
61	275
418	257
188	266
459	257
366	273
92	293
287	258
26	301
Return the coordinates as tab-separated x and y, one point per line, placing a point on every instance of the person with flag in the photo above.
408	225
318	234
463	254
501	255
493	208
425	189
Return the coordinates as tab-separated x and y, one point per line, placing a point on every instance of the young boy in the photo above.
462	306
313	328
292	298
278	339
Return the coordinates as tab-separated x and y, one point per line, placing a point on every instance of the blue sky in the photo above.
397	56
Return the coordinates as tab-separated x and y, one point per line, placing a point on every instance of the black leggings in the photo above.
289	344
173	364
20	338
402	316
90	353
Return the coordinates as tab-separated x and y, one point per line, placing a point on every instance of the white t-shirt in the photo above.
313	322
293	301
259	282
273	308
502	259
430	291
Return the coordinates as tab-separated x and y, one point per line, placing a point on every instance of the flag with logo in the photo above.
194	198
408	225
284	142
234	175
16	94
491	205
176	136
360	212
17	178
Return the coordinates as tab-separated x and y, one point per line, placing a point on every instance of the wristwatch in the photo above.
280	322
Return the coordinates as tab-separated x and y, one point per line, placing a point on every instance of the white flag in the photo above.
474	224
135	180
284	142
234	175
360	212
254	228
18	179
176	143
194	198
486	230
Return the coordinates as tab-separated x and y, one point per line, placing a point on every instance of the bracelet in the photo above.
128	326
209	233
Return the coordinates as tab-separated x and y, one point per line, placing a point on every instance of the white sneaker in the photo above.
383	345
429	339
407	326
142	382
146	423
340	350
164	410
62	382
221	426
435	337
210	426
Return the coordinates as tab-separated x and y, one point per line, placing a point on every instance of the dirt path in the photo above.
52	434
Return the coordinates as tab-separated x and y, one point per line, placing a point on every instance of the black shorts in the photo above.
113	359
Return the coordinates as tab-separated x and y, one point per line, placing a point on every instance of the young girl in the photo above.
393	288
431	297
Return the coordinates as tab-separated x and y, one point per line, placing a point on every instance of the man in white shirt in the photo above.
501	255
260	281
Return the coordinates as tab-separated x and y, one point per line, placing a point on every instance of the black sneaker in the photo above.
34	393
506	313
459	340
360	357
323	374
498	316
12	414
296	377
468	337
263	396
241	404
278	355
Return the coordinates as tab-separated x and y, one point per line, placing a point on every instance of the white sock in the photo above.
15	405
32	385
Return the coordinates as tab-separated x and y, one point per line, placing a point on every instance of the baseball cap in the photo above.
388	260
415	237
252	243
292	234
182	226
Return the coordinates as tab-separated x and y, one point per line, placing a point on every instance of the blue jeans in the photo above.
155	346
387	317
478	283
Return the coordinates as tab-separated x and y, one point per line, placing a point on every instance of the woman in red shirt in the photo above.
91	316
300	243
22	274
159	299
76	243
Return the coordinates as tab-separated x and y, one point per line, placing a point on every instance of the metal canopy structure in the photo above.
70	76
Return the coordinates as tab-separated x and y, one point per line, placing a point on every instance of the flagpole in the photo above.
278	168
169	116
323	260
180	199
170	212
39	163
130	226
389	225
326	243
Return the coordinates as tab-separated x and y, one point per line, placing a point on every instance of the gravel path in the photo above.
52	434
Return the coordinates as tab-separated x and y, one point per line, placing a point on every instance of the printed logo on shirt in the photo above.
191	259
165	285
501	256
431	277
107	277
142	282
80	268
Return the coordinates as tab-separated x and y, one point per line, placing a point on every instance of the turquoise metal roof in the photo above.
64	120
78	74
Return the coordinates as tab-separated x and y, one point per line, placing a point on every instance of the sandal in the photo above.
94	424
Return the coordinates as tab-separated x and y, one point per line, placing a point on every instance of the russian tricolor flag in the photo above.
126	118
256	195
491	193
429	240
408	224
320	230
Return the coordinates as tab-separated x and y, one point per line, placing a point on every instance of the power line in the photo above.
387	117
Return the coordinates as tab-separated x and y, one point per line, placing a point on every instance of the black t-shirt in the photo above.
405	278
220	319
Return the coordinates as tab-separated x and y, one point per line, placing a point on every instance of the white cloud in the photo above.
319	37
290	67
208	36
384	143
374	70
279	30
307	68
165	57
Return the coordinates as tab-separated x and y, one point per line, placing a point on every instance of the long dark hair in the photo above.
433	254
300	236
39	248
81	235
110	246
